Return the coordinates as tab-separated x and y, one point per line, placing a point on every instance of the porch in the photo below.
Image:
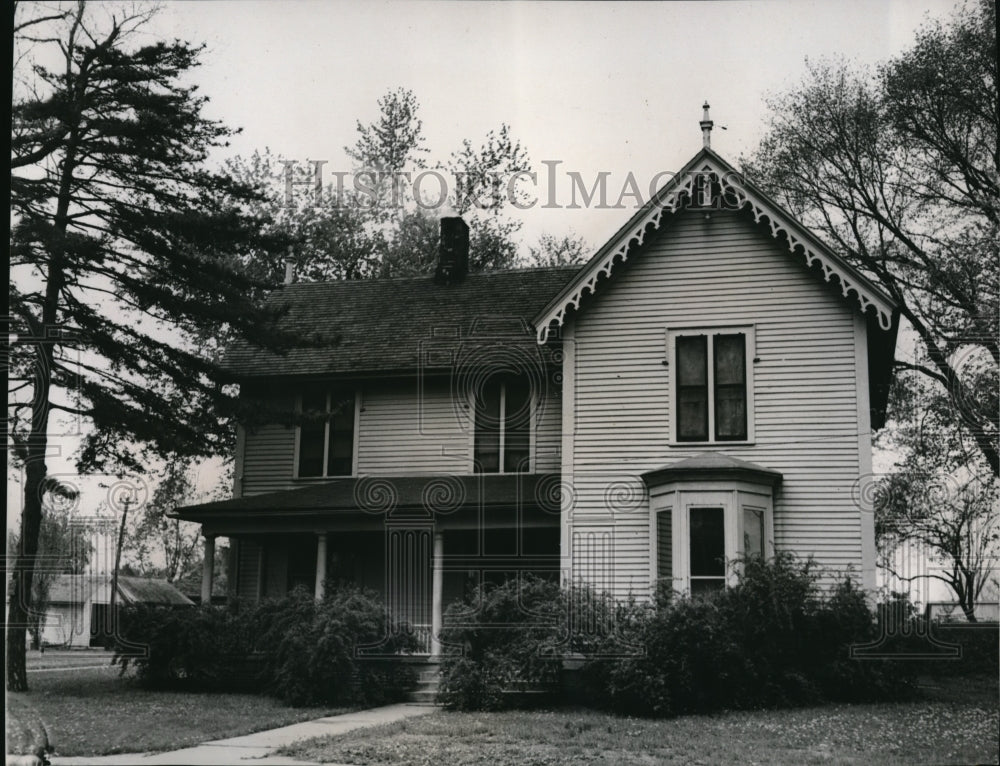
420	543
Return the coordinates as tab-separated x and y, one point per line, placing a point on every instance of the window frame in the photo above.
722	579
473	415
734	497
750	354
356	392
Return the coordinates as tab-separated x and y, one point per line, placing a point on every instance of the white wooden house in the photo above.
704	387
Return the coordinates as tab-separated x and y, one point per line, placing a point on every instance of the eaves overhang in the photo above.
385	496
712	467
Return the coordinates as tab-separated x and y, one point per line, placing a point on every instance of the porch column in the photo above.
320	563
437	589
208	569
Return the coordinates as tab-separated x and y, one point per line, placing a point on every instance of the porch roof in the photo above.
379	495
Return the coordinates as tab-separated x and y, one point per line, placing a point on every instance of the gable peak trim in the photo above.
672	197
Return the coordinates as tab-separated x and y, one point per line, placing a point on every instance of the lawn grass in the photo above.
957	723
62	658
96	712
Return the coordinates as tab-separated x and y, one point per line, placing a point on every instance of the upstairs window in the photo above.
503	425
711	386
326	439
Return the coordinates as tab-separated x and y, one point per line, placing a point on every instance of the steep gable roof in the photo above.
740	193
398	325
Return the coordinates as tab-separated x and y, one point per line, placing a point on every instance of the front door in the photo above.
408	578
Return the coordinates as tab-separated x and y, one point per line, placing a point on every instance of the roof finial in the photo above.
706	128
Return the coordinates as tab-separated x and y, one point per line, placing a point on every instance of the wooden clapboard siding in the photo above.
248	570
548	430
403	428
275	582
268	459
716	272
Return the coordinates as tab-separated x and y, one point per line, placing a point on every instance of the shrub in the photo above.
295	648
931	644
768	641
335	651
500	653
980	649
843	621
204	648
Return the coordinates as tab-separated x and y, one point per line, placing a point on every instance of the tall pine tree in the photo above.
123	247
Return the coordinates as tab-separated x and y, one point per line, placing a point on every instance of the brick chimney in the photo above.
453	258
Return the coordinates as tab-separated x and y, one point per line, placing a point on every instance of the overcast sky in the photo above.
599	87
596	87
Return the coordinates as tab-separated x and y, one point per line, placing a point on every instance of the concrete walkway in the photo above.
257	748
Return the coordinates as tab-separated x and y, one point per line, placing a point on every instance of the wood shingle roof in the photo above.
402	325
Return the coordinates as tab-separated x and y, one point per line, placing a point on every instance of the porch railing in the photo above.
423	635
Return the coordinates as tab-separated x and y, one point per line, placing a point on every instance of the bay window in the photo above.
708	512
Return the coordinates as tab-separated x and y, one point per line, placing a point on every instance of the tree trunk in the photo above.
113	608
35	469
24	561
967	598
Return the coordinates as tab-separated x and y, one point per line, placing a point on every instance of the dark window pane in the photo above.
500	541
692	360
692	415
342	404
487	446
516	453
311	450
730	387
730	359
340	457
517	425
692	388
708	543
753	532
664	547
314	400
312	432
730	414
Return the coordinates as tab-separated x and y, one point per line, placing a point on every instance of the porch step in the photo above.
428	680
429	675
423	698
